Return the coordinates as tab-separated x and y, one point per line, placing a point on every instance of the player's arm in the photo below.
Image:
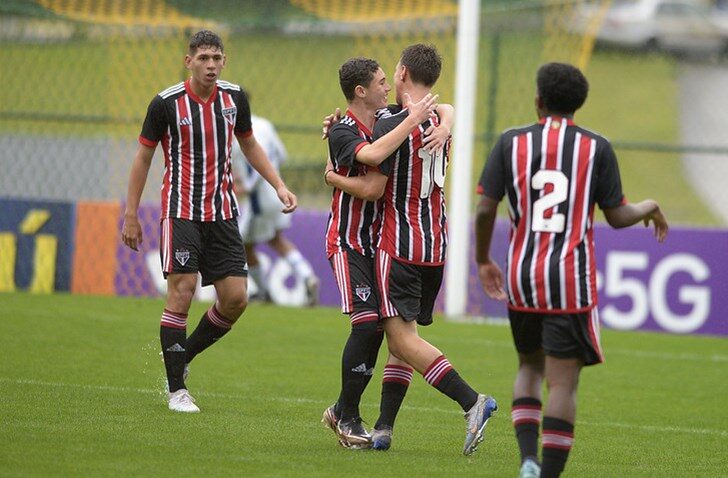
436	137
369	187
646	211
131	230
492	188
373	154
491	276
257	158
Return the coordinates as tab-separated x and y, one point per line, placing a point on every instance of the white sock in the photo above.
299	264
257	275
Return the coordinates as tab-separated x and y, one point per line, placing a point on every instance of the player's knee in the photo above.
366	331
233	307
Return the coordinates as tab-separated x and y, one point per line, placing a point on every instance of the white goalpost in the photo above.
459	214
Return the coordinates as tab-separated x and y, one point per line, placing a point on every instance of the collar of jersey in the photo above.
358	123
196	98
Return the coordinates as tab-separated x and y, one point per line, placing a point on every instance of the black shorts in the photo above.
560	335
354	274
407	290
214	249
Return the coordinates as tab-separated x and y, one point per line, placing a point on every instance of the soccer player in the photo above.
553	173
197	121
410	254
261	219
351	234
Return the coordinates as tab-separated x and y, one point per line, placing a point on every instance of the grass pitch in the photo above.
81	393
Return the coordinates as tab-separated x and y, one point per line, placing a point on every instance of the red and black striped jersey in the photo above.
414	223
353	223
197	141
553	173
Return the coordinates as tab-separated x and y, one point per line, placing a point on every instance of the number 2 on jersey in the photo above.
433	171
557	221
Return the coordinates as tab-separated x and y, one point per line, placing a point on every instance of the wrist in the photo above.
326	176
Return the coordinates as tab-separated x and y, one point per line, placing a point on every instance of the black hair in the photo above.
355	72
562	87
205	38
422	62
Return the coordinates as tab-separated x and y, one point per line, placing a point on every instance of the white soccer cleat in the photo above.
182	401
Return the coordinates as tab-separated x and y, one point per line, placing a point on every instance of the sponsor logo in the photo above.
363	292
182	256
361	368
185	122
556	124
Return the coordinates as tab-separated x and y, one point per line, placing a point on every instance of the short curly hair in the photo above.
562	87
355	72
205	38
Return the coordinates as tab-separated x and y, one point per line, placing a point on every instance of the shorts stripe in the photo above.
174	320
340	263
363	317
384	265
437	369
398	374
166	245
595	333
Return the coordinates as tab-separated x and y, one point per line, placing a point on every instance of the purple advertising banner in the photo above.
678	286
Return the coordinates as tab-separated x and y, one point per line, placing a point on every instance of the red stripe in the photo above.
147	142
520	235
184	161
227	192
545	238
578	217
413	202
210	164
593	318
167	180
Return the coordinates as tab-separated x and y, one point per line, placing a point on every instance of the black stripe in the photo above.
400	199
199	168
174	144
220	126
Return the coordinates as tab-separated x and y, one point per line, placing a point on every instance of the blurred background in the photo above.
77	77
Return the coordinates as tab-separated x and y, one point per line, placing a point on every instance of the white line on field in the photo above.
111	388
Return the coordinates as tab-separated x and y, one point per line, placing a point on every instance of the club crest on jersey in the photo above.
363	292
556	124
182	256
229	114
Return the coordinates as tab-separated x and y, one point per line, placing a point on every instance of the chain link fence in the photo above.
78	76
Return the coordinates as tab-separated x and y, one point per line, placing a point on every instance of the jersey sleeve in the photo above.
608	188
243	121
492	181
155	123
344	143
381	128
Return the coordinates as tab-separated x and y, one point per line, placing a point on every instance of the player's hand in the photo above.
436	138
491	277
131	232
328	169
421	111
660	222
329	121
289	200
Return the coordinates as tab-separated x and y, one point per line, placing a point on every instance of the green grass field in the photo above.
81	393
